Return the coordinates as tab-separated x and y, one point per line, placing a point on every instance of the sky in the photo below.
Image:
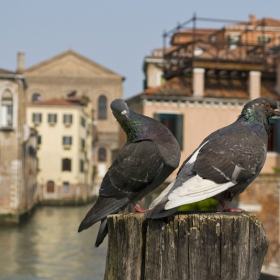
117	34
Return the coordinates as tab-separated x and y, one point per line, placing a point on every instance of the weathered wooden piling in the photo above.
210	246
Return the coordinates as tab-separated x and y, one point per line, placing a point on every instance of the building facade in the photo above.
70	74
64	149
18	168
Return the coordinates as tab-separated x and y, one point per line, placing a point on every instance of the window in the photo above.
67	119
67	140
37	118
66	164
50	187
65	186
263	39
52	118
36	97
233	40
175	124
81	166
7	109
83	122
102	107
83	143
102	154
39	139
273	140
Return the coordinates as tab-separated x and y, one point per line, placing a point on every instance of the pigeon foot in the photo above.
233	210
139	209
227	209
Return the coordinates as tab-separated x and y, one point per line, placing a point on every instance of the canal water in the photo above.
48	246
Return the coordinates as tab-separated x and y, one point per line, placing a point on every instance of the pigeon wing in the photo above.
221	163
135	167
232	157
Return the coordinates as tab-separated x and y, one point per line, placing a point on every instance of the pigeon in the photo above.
149	156
224	164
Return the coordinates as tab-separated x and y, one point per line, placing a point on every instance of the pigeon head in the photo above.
120	110
262	106
260	110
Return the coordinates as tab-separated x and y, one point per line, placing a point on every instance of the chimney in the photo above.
252	19
198	82
20	62
254	84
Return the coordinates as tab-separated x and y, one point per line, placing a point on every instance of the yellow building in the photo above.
64	128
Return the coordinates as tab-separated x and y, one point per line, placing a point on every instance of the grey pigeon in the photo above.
149	156
224	164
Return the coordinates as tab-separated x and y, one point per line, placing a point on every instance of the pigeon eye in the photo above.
266	105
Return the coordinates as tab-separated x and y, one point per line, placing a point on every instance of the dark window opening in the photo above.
36	97
67	140
67	118
102	154
37	118
102	107
39	139
81	166
52	118
174	123
66	164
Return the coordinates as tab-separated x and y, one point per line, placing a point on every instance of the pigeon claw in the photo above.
139	209
227	209
233	210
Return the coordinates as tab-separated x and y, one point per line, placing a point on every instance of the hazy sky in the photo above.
117	34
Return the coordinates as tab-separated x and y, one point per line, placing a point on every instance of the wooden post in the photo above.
211	246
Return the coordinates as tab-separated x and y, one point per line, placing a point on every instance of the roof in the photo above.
235	88
54	102
73	53
271	22
4	71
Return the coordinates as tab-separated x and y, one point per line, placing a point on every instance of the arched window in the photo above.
7	109
50	186
66	164
36	97
102	154
102	107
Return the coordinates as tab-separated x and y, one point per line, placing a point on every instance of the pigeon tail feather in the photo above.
103	230
101	209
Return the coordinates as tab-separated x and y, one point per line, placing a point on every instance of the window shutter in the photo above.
179	130
157	117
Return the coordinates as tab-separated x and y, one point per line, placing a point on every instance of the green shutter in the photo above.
157	117
179	130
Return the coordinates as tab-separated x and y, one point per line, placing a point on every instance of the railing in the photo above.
208	47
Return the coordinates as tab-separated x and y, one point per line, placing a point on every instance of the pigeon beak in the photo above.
277	111
125	113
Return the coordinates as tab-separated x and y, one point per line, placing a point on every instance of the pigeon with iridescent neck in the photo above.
224	164
149	156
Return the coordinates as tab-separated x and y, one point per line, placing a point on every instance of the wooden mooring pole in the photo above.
212	246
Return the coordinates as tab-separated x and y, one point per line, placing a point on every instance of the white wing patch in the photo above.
194	190
162	195
194	156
